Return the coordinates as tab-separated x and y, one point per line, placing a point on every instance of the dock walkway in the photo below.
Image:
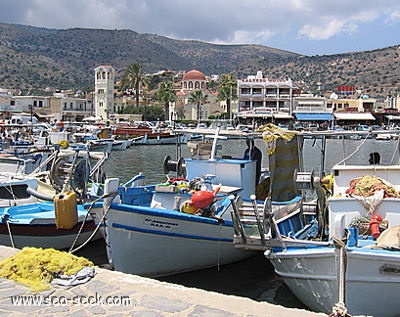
112	293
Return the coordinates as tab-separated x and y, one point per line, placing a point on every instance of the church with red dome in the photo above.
194	80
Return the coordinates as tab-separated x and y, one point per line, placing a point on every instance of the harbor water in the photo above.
253	278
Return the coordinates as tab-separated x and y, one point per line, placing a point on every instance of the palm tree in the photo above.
166	94
227	91
198	98
133	78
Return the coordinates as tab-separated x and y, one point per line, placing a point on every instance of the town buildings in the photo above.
260	100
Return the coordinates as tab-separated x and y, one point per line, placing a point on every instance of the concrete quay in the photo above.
111	293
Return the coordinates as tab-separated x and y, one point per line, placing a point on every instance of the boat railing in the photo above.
262	226
256	227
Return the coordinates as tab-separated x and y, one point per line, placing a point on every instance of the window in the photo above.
256	91
257	104
271	91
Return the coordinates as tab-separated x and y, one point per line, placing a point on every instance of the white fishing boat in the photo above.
183	224
340	254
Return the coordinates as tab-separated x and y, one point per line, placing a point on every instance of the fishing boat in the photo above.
139	128
164	138
34	225
146	133
340	253
180	225
45	208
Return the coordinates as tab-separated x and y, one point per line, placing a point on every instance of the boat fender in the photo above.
188	207
36	194
202	198
374	226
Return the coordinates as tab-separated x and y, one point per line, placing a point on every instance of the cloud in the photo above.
327	29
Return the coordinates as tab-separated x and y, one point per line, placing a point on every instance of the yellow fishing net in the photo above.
271	132
33	267
367	185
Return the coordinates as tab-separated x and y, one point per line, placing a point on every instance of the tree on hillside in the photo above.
133	78
227	91
198	98
166	95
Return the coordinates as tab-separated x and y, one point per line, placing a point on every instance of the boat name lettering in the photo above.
160	223
390	269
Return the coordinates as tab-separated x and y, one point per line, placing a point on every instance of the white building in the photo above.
264	99
308	107
104	91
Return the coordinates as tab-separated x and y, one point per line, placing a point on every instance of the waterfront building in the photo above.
263	100
60	106
37	106
312	108
104	91
70	108
349	111
6	105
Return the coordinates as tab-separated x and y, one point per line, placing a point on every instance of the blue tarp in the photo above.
314	116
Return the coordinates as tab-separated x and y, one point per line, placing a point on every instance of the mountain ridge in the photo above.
32	58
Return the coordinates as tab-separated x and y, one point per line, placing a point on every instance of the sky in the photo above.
309	27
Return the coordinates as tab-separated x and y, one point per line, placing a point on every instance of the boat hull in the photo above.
165	138
34	225
45	236
310	275
156	243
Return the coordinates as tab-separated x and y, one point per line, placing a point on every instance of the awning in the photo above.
282	116
255	115
44	116
317	116
392	117
354	116
91	119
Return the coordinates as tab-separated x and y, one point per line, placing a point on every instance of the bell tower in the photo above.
104	91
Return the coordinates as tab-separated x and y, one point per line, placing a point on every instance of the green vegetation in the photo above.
198	98
166	94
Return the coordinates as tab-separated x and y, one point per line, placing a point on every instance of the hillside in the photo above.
34	58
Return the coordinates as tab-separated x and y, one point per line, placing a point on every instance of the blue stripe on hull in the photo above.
171	234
